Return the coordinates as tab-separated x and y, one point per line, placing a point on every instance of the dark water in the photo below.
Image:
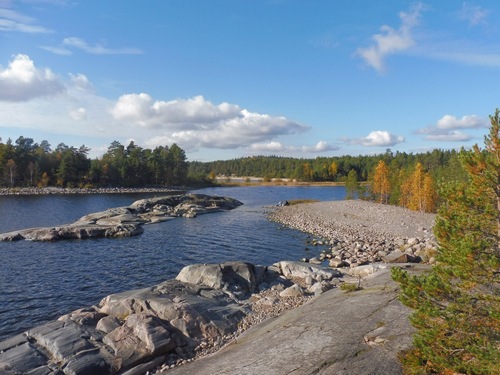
41	281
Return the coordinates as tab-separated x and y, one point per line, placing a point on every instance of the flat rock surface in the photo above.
359	332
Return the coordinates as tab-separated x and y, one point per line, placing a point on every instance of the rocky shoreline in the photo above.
361	232
256	314
205	307
67	191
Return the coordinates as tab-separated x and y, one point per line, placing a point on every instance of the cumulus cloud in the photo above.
193	113
474	15
448	128
321	146
390	41
379	138
466	122
196	122
81	82
272	146
12	21
22	81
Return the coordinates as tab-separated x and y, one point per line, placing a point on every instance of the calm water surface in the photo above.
41	281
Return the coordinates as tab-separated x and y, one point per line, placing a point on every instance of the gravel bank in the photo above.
362	232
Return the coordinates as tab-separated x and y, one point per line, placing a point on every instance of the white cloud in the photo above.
22	81
446	128
57	50
473	14
78	114
12	21
379	138
390	41
448	136
321	146
193	113
81	82
466	122
196	122
272	146
96	49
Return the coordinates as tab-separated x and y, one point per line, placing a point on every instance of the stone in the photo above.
234	277
302	270
63	341
292	291
396	257
108	324
22	359
365	270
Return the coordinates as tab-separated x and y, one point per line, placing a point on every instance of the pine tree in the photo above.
352	185
457	304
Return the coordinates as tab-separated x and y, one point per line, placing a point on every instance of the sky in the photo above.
233	78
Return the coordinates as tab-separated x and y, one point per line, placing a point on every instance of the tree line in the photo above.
440	163
24	163
405	179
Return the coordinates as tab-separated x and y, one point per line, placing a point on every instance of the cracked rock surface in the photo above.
359	332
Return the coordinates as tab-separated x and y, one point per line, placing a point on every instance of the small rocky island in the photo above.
128	221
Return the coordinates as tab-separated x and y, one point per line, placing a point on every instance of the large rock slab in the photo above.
134	331
336	333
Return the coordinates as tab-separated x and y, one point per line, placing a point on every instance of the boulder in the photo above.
292	291
140	337
236	278
302	270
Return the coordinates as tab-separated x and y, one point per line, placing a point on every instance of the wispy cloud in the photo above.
390	40
13	21
474	15
68	45
450	128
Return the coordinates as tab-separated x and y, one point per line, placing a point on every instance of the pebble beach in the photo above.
361	232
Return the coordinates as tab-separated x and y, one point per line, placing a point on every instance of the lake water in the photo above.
40	281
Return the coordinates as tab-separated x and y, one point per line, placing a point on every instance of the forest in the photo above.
405	179
24	163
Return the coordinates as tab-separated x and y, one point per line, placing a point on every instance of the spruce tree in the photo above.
457	304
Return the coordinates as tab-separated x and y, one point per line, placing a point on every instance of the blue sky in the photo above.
231	78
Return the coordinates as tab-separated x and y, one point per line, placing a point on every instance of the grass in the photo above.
348	288
299	201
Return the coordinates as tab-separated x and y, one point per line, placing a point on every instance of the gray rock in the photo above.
139	338
292	291
303	270
108	324
300	341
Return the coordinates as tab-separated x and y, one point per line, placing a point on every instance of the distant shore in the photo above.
68	191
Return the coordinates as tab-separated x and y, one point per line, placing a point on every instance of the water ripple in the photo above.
41	281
